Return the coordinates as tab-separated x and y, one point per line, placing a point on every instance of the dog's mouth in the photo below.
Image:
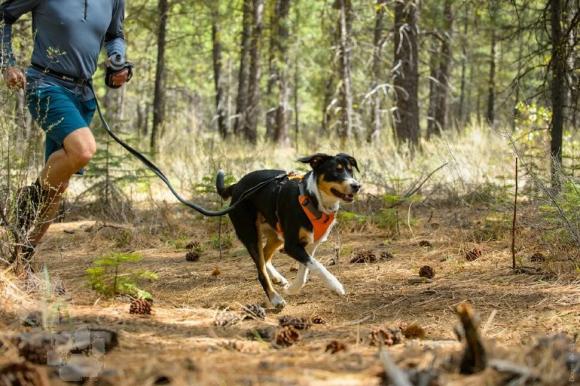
342	196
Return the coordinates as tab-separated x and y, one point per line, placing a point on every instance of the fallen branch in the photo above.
392	372
504	366
474	358
415	187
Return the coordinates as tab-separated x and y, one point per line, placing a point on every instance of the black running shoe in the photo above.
28	204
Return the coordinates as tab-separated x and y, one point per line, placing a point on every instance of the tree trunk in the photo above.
244	71
490	115
344	65
296	74
442	84
463	114
220	97
277	116
159	94
252	108
405	72
378	41
434	53
558	86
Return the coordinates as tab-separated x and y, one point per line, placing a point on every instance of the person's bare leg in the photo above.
78	149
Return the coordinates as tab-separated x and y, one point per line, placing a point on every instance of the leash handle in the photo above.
163	177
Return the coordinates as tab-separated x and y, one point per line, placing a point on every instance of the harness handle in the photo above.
164	178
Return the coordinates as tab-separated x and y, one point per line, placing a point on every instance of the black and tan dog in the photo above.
297	213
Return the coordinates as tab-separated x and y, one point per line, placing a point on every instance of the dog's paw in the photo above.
338	288
278	301
281	281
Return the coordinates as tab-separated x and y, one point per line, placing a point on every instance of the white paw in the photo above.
277	301
281	280
338	288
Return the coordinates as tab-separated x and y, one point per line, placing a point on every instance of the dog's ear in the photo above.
315	160
351	160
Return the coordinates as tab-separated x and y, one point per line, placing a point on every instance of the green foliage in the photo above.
109	276
207	184
569	203
490	193
494	227
227	240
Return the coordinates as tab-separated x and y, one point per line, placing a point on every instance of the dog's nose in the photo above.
355	187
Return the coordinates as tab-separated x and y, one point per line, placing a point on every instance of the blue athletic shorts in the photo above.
58	111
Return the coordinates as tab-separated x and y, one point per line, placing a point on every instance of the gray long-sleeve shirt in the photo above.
68	34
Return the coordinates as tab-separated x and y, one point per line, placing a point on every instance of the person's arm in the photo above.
115	42
115	37
10	11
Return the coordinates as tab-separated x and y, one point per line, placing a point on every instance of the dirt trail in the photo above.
181	342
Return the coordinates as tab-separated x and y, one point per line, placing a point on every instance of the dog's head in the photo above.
334	175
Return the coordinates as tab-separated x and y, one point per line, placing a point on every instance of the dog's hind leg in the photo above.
249	233
273	243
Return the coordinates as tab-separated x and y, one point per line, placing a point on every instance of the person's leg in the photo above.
78	149
69	147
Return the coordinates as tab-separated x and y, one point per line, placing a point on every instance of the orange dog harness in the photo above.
320	221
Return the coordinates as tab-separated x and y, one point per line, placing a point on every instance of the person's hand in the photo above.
120	77
14	78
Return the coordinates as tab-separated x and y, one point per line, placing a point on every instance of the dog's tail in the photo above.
221	187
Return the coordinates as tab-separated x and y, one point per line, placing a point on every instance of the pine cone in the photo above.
413	331
297	323
335	346
192	256
254	311
287	336
318	320
386	255
364	256
193	246
22	374
427	271
537	257
388	337
140	307
474	254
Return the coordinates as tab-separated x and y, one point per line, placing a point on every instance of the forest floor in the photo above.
181	344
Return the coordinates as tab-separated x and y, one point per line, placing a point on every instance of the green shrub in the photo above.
568	220
109	276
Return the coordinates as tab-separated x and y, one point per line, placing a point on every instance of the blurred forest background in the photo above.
403	85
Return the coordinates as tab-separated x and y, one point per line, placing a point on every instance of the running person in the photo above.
68	37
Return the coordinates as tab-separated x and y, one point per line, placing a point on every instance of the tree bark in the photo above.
444	65
345	128
277	116
558	88
243	72
463	114
434	53
376	100
490	114
220	95
405	72
159	93
252	108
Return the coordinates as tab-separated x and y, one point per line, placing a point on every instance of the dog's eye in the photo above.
339	168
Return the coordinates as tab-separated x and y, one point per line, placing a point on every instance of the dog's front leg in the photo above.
308	262
299	282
